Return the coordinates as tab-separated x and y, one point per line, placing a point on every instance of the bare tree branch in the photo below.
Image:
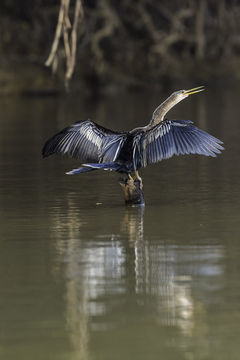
78	16
63	28
58	33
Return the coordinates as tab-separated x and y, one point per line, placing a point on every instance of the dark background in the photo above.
121	43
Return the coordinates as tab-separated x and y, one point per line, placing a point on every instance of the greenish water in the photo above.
82	276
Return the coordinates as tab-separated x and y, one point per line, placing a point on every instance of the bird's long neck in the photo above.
162	109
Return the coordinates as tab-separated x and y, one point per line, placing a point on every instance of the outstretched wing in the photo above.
87	142
176	137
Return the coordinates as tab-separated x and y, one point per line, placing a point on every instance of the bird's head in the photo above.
182	94
172	100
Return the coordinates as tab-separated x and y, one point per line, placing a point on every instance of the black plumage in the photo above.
97	147
85	141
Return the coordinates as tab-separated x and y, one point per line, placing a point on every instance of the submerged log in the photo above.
132	191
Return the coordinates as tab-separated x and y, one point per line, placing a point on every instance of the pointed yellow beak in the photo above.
194	90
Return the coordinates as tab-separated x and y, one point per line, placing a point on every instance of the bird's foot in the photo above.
130	177
135	179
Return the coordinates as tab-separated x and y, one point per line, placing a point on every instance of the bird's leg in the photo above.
139	179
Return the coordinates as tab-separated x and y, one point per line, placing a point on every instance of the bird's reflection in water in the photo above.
156	277
107	264
132	224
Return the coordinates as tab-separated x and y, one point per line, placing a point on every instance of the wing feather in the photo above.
87	142
176	137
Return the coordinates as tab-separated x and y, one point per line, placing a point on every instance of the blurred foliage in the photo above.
129	42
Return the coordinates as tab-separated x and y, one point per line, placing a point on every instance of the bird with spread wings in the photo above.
126	152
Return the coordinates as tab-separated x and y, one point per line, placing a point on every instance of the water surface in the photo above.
84	277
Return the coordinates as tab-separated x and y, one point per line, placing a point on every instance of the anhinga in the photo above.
126	152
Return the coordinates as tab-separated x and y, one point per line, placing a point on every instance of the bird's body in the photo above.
126	152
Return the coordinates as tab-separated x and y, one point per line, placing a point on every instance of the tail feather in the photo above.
79	170
105	166
91	167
